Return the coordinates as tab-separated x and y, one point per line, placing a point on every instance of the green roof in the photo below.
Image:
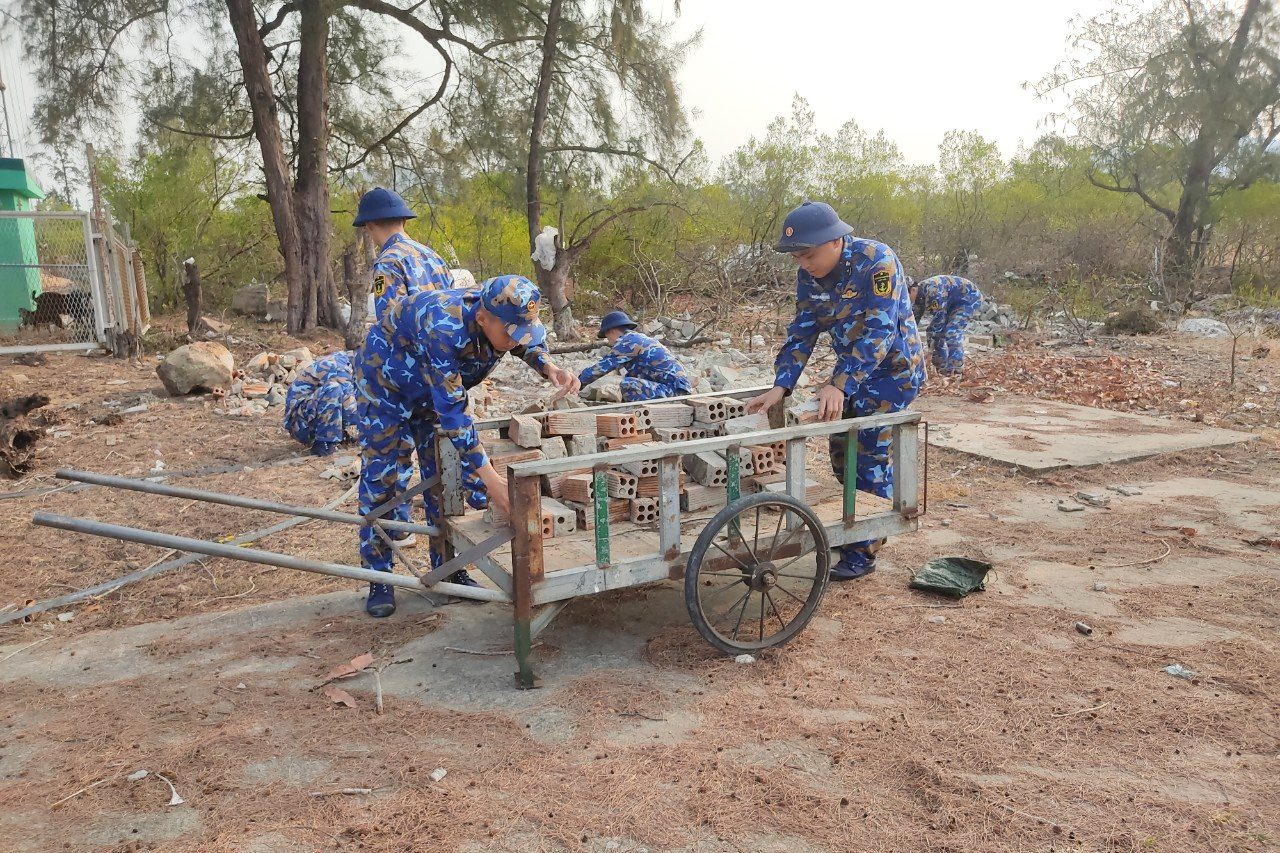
15	178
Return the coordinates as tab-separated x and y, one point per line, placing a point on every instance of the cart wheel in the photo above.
757	573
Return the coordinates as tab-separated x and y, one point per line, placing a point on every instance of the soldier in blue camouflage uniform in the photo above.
412	377
403	265
853	290
951	300
320	405
652	371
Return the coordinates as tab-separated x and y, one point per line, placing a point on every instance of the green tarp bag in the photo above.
953	576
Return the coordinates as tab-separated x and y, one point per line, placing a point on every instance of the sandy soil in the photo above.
896	722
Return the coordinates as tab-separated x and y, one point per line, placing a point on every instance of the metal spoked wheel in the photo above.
757	573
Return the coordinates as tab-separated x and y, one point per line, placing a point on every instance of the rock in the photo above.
1203	327
744	659
758	342
938	620
687	330
438	774
1069	506
201	366
218	327
610	392
1099	587
275	396
702	386
255	300
1127	491
288	362
722	377
651	327
302	357
1093	500
111	441
259	362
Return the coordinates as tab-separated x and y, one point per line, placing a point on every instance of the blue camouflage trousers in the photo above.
388	442
634	390
321	416
877	396
946	338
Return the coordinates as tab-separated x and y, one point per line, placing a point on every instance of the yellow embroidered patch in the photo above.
850	293
379	285
881	283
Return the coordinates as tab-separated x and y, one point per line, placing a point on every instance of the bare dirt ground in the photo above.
897	722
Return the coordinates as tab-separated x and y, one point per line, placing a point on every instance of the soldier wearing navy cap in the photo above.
412	378
652	371
403	265
854	290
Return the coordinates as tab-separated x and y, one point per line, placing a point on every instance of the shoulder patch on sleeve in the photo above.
881	282
379	284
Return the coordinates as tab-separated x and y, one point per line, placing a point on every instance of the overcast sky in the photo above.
916	68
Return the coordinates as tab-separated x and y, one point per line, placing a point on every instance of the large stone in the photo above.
1203	327
201	366
722	377
302	357
255	301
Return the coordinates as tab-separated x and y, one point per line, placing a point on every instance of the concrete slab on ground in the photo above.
1039	435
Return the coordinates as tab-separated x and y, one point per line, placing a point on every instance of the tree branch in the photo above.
284	11
1135	189
577	247
227	136
617	152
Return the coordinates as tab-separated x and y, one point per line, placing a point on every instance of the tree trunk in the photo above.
357	287
266	127
195	298
551	282
311	191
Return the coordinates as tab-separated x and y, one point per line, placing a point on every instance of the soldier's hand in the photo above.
566	382
766	401
495	487
830	403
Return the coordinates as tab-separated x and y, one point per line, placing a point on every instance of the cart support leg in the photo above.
526	570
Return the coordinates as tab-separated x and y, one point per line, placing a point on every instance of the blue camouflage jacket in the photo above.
946	293
405	266
423	356
642	358
327	368
864	306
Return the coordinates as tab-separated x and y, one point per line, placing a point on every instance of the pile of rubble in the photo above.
262	382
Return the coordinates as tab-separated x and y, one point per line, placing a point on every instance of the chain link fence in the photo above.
65	285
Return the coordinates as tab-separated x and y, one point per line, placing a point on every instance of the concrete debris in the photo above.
744	659
1177	670
938	620
438	774
255	301
1069	506
1203	327
1127	491
1099	587
1093	500
201	366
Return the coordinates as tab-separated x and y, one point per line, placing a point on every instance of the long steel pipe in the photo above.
252	555
238	501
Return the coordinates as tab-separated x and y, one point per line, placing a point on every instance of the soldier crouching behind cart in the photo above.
320	405
412	378
652	371
854	290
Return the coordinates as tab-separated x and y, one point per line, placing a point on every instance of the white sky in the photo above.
916	68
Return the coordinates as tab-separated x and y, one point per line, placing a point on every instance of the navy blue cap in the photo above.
811	224
615	320
379	203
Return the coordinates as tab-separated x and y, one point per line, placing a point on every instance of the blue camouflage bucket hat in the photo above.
515	301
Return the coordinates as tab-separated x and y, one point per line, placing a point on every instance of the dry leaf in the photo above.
981	395
346	670
338	696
